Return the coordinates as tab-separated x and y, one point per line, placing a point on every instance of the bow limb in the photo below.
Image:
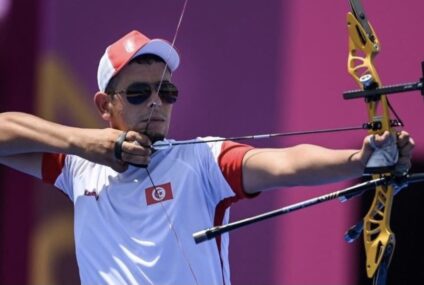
379	240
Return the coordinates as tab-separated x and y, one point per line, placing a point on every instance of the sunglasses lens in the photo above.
168	92
138	93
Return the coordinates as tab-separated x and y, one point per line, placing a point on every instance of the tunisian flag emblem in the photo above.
158	193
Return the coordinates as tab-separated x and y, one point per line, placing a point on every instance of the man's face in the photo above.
151	117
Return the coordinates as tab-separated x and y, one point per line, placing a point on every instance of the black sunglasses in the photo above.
138	92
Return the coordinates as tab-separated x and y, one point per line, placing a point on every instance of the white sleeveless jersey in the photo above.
128	231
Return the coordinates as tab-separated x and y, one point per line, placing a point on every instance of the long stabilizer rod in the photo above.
343	194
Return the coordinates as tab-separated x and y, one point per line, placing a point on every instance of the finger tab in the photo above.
118	145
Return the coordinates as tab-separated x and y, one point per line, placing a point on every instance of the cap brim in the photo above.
162	49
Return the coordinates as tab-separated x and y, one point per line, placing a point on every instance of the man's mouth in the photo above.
153	119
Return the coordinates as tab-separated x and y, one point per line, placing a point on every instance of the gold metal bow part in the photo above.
364	45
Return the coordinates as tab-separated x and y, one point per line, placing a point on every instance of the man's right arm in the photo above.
24	138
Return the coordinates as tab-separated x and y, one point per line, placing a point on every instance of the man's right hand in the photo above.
100	148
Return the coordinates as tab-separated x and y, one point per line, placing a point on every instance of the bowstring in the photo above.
177	29
155	188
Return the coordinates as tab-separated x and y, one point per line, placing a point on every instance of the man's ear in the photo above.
103	104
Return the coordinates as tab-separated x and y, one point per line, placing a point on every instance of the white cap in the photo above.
133	44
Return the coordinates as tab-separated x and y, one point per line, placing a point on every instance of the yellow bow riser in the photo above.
378	237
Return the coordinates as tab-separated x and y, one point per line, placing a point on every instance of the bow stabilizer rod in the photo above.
342	195
210	233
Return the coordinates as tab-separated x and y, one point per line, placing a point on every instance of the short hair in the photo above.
147	58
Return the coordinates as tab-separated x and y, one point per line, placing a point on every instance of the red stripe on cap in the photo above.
121	51
51	167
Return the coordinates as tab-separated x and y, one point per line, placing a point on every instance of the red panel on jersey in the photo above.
51	166
230	162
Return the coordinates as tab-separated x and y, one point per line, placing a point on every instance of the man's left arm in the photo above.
305	164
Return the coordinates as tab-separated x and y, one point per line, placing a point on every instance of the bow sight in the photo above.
372	92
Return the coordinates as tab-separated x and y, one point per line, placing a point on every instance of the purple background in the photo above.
247	67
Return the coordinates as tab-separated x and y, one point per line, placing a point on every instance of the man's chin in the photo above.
154	136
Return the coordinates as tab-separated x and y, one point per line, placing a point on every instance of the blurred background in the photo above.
247	67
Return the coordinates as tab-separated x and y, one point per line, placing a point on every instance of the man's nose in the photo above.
155	100
153	105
